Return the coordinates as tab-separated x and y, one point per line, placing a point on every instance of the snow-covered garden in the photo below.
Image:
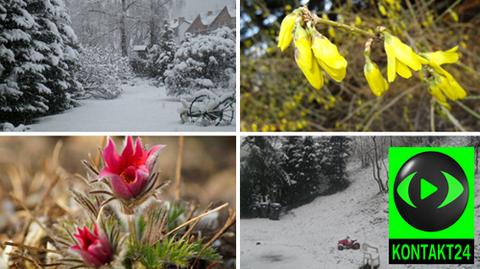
77	66
307	232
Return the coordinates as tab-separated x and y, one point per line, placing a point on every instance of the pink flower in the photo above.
129	172
94	248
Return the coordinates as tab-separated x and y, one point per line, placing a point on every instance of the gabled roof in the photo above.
224	13
197	24
211	20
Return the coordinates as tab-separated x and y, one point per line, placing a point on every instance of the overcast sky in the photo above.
194	7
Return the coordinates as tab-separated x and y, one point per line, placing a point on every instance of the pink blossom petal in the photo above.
110	156
139	151
90	259
127	151
120	187
106	173
141	177
102	252
152	156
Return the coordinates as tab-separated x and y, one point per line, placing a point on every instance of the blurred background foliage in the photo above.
208	167
276	97
40	171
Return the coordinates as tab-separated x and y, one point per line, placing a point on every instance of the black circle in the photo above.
426	215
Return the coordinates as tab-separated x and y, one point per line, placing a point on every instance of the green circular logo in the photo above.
431	191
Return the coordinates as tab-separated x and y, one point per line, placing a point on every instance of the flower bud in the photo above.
374	77
94	248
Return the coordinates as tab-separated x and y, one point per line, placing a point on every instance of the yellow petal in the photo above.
404	53
325	51
391	62
358	20
421	59
313	75
453	86
303	48
285	36
329	58
374	77
438	95
445	87
454	15
336	74
443	57
403	70
382	10
331	32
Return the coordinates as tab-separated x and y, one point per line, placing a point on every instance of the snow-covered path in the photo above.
140	108
307	236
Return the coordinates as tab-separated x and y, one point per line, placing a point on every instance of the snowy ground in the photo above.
307	236
140	108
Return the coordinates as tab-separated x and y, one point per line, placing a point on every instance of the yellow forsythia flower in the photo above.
329	58
436	92
304	58
453	90
400	58
285	36
331	32
358	21
454	15
382	10
374	77
437	58
446	85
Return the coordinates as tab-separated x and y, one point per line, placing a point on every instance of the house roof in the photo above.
208	17
197	25
203	21
223	13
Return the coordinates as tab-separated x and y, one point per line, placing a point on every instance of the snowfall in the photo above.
140	108
306	237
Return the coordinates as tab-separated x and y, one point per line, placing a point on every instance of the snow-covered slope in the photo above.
141	107
307	236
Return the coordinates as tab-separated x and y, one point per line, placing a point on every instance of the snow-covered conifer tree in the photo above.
334	165
301	163
161	55
37	54
22	82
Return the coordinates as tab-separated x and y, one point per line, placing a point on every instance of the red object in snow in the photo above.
348	243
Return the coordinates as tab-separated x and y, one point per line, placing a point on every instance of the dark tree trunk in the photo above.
376	168
123	29
153	22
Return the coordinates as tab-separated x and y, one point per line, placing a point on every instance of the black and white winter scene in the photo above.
117	65
322	202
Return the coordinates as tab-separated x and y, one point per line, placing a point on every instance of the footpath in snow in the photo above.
306	237
140	108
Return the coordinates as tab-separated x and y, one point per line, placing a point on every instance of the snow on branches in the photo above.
37	59
204	61
101	73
